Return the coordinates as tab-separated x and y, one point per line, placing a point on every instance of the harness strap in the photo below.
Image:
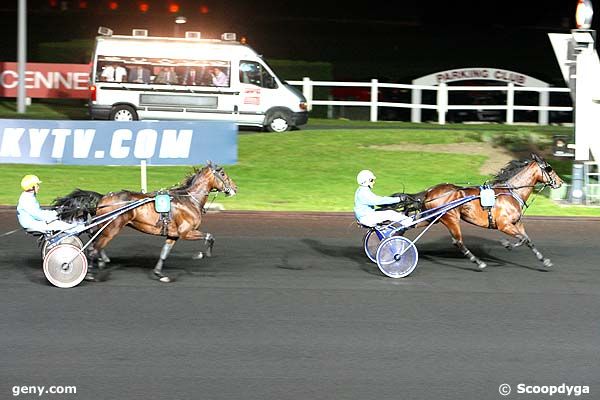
490	218
518	198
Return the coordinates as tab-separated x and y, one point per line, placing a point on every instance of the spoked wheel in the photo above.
72	240
371	243
65	266
397	257
372	240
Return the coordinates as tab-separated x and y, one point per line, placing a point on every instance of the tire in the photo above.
123	113
397	257
371	243
279	121
72	240
65	266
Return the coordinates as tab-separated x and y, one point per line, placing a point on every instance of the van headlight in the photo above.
303	106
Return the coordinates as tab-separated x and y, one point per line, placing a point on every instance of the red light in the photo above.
173	8
53	3
144	7
113	5
93	93
204	9
83	4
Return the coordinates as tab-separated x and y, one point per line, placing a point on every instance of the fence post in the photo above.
307	91
442	102
374	99
543	114
415	113
510	103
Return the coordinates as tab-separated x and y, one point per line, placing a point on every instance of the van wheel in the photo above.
279	121
123	113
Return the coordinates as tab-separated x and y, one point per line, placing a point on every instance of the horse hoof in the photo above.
198	256
506	244
161	277
482	266
89	277
548	263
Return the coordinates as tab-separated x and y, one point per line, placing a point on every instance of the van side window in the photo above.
253	73
163	71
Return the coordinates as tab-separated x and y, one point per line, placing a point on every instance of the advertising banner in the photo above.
46	80
117	143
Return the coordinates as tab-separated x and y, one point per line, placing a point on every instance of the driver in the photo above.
29	213
365	201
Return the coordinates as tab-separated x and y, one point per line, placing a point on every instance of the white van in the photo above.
140	77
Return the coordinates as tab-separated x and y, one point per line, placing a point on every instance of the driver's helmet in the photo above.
29	181
365	178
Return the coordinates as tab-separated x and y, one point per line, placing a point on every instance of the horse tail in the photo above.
77	205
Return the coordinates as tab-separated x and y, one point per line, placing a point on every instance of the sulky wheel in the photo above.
397	257
73	240
373	238
371	243
65	265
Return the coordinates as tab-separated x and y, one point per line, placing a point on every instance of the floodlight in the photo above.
139	32
104	31
193	35
229	36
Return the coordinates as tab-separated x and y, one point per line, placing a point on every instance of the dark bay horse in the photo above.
512	187
183	222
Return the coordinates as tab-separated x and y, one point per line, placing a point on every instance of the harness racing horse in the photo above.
512	187
183	222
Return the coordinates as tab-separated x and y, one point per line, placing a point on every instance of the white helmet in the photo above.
365	178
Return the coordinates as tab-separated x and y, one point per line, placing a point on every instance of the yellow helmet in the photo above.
29	181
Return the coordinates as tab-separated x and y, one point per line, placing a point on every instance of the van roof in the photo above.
158	47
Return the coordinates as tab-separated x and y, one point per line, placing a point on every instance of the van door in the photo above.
257	92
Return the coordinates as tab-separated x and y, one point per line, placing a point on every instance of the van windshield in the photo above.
162	71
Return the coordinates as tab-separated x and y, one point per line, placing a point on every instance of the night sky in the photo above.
393	40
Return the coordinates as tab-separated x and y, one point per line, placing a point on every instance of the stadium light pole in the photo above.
21	55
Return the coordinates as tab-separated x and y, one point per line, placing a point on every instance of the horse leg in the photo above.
517	230
509	245
209	240
104	256
164	253
95	255
452	223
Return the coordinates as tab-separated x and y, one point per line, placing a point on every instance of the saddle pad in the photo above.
162	203
487	196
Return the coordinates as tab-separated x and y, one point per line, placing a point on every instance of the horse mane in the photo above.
188	180
510	170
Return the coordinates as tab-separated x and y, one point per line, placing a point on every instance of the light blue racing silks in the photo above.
365	201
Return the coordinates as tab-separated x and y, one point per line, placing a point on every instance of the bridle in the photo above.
546	170
217	173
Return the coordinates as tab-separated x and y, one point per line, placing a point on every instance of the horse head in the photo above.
220	180
547	174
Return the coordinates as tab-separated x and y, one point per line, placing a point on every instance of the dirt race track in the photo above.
290	308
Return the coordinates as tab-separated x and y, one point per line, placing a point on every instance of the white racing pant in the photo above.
377	217
56	225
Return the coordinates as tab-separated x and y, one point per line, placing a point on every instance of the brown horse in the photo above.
181	222
512	187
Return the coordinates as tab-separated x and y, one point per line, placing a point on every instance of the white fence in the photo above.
441	105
